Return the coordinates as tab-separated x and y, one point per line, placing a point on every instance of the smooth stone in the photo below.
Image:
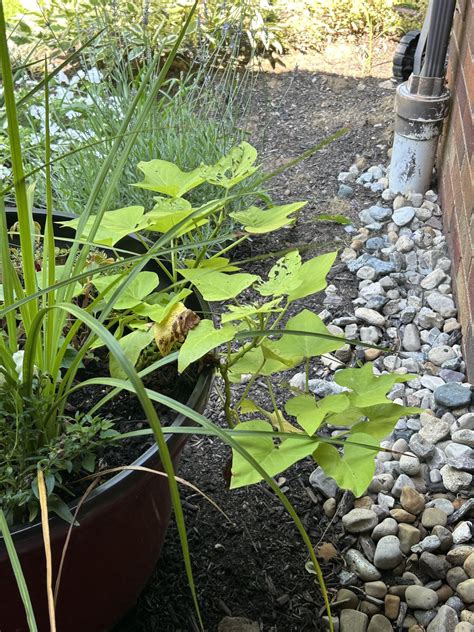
353	621
392	606
455	480
375	589
466	615
455	576
359	520
432	382
464	436
401	515
379	623
420	598
402	481
442	304
409	536
445	537
453	395
411	338
441	354
459	554
466	591
445	621
409	464
380	213
432	517
357	563
464	626
381	267
352	600
411	500
403	216
433	279
389	526
388	554
434	566
370	316
468	566
329	507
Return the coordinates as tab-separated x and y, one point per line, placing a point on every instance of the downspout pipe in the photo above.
421	105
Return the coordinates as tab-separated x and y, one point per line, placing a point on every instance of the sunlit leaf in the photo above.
202	339
114	225
312	276
273	458
140	287
283	276
222	264
310	413
218	286
166	177
233	168
240	312
355	468
257	220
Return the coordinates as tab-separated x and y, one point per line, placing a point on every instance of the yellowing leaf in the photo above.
201	340
256	220
174	328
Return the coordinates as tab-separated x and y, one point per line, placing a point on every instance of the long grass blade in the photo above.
43	499
20	578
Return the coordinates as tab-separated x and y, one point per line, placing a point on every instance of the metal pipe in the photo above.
421	104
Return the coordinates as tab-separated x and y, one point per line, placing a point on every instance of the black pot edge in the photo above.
196	401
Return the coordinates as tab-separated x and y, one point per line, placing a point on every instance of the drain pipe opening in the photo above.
421	105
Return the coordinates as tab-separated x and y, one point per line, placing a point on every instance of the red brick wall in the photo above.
456	170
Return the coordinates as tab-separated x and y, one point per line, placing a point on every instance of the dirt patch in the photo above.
254	566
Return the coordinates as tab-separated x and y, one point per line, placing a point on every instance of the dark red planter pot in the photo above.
113	551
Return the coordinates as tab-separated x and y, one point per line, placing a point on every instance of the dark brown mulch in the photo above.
254	566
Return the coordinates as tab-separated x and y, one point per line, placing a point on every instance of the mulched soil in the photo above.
253	565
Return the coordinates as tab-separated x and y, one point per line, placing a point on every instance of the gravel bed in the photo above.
408	546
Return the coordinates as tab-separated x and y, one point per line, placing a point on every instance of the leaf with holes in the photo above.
233	168
283	276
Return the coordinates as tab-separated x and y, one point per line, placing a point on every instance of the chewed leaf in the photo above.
241	312
174	328
257	220
283	276
165	177
233	168
113	225
162	305
165	216
355	468
202	339
218	286
312	276
273	457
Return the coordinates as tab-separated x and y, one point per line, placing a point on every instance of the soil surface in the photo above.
253	564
